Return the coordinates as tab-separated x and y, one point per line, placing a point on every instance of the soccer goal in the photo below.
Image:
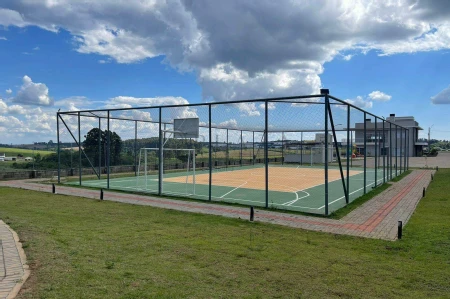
314	155
317	154
178	165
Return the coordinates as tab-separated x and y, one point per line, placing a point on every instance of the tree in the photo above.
91	146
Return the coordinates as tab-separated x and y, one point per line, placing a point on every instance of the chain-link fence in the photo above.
312	154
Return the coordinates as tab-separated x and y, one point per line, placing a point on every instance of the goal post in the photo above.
176	163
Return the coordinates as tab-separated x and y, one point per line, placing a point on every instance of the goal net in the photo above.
178	167
314	155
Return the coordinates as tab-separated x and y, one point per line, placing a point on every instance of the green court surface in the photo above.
310	199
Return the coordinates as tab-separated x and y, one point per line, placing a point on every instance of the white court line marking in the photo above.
348	194
233	189
290	203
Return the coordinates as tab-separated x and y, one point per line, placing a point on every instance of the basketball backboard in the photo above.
186	127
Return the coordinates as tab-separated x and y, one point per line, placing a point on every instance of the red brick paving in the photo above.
376	218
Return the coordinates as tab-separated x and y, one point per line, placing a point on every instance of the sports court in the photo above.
281	153
296	188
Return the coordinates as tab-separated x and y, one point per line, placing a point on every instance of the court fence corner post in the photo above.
160	156
325	92
210	154
266	151
58	147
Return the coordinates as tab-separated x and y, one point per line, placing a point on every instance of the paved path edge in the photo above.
23	263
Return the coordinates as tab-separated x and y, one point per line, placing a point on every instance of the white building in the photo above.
414	146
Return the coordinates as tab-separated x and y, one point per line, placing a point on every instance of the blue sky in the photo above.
62	55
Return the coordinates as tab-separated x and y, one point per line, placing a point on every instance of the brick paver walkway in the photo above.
13	268
376	218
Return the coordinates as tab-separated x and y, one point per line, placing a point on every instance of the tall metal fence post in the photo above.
351	146
301	148
161	154
407	150
348	155
253	148
99	148
266	150
376	152
401	148
396	150
135	148
79	149
390	151
227	154
282	148
325	92
365	152
385	153
210	154
407	162
240	160
108	151
58	147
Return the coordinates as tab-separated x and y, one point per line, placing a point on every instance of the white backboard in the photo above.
186	127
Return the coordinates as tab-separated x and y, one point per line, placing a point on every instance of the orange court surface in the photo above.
283	179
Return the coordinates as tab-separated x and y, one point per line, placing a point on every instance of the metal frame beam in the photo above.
337	152
326	154
79	145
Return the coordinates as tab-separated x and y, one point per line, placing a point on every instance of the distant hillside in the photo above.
14	152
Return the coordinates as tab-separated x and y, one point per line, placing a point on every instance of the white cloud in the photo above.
360	102
226	83
379	96
71	103
248	109
33	93
16	109
174	112
36	49
270	106
10	122
269	49
367	102
39	123
9	91
443	97
121	44
3	107
229	124
11	17
3	38
347	57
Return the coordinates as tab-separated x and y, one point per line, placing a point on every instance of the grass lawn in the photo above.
13	152
80	248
